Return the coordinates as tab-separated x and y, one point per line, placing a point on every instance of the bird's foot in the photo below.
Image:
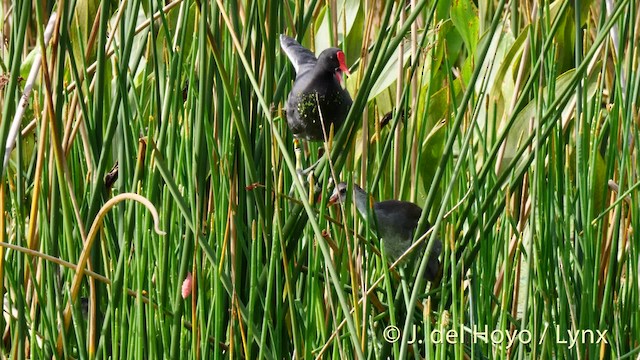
298	152
308	180
309	170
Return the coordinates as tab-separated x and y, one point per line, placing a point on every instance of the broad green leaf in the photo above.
465	18
520	128
438	45
435	45
431	154
496	57
353	44
27	63
598	176
438	107
389	73
433	144
491	79
347	14
83	19
509	62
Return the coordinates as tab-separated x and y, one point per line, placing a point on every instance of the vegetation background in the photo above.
514	124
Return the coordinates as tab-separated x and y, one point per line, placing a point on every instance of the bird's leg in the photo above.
298	151
305	148
321	152
308	171
311	182
305	175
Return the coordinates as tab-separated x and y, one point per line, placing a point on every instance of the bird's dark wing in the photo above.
405	215
302	59
402	213
394	214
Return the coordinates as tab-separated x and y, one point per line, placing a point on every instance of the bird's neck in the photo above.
362	200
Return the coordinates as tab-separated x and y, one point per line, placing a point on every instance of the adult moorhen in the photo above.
397	221
318	82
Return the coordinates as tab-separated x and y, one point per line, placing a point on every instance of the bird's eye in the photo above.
343	191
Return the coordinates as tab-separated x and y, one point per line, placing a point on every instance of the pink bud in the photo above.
187	286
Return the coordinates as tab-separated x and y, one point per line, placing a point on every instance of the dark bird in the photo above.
397	222
318	83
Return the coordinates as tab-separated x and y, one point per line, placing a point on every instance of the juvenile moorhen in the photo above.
397	221
318	82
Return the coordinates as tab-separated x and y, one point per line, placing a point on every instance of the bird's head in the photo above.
333	60
339	195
